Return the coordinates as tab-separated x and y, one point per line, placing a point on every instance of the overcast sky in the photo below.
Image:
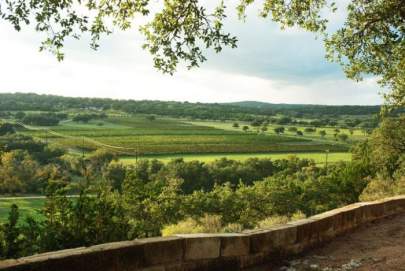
269	65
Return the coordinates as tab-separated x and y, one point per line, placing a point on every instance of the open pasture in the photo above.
357	135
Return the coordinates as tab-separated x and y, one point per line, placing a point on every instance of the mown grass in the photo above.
318	157
27	206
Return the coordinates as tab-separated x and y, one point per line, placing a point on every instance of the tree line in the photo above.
35	102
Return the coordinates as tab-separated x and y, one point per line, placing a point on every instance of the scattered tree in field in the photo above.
283	120
151	117
351	131
85	118
343	137
292	129
337	130
256	123
235	125
245	128
309	130
20	115
279	130
41	119
264	129
6	128
300	133
322	133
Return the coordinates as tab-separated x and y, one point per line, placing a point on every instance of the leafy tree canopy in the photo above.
371	41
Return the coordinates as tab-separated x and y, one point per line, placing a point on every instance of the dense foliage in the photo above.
114	209
49	119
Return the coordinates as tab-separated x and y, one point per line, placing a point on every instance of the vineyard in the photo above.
137	135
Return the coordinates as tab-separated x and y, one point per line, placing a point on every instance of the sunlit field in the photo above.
318	157
140	136
358	134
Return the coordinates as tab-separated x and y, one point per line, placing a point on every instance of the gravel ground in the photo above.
378	246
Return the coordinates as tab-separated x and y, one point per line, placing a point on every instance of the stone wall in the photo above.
220	252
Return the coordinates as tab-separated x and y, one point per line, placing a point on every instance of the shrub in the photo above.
206	224
188	225
279	220
279	130
343	137
309	130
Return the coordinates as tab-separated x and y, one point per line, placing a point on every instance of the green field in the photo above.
133	135
27	206
358	134
318	157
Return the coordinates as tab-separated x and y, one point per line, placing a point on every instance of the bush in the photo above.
188	225
279	130
6	128
206	224
378	188
343	137
309	130
279	220
41	119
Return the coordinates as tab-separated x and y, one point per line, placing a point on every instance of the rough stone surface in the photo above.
201	246
235	245
161	250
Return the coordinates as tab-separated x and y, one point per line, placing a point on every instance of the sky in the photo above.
269	65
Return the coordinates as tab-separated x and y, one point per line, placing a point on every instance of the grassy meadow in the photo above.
27	206
318	157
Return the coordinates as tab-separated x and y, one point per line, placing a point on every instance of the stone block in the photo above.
234	245
252	260
307	233
201	246
273	240
325	226
162	250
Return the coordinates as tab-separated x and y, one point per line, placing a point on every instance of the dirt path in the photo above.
378	246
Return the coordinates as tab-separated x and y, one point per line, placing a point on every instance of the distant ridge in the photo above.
263	105
235	110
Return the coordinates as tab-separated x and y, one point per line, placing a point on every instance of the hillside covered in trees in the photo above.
242	110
